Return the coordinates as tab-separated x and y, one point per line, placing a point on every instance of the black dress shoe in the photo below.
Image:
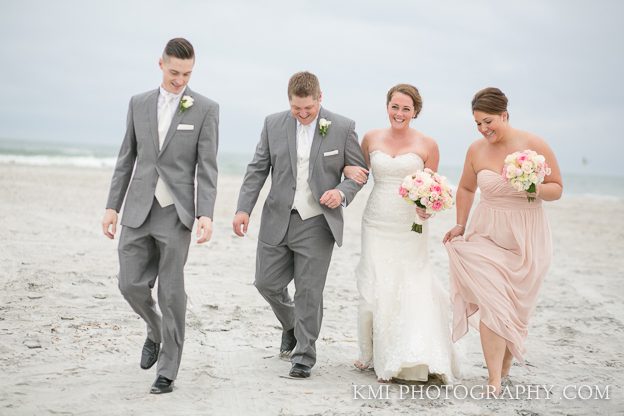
149	355
162	385
300	371
288	342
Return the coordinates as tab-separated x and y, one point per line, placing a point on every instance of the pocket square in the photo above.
186	127
331	153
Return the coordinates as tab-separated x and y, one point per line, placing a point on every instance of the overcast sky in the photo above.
69	67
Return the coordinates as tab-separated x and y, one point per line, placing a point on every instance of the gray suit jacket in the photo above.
185	154
277	153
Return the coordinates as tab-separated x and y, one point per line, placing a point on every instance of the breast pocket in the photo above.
333	159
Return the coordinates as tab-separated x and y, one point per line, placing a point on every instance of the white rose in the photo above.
527	166
510	171
187	101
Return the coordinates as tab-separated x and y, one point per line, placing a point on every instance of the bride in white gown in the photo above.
403	321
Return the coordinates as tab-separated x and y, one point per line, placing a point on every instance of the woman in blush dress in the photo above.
403	317
498	261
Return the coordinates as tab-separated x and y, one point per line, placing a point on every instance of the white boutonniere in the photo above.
186	102
324	126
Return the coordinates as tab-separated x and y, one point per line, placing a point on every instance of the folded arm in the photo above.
353	157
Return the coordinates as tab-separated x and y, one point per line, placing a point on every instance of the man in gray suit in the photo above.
171	140
305	150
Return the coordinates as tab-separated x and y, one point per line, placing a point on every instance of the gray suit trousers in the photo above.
158	248
304	254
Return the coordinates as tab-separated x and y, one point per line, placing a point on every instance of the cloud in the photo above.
71	67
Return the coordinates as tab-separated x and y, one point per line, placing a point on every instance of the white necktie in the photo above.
303	148
162	193
164	120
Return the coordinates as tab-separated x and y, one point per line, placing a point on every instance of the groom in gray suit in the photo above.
171	140
305	150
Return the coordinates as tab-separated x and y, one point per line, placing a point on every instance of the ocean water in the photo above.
230	163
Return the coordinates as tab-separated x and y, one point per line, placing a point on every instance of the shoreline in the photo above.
567	195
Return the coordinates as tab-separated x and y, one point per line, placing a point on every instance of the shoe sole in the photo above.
299	375
158	391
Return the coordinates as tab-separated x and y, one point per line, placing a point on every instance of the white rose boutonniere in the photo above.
324	126
186	102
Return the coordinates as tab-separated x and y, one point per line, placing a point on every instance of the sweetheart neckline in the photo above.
398	155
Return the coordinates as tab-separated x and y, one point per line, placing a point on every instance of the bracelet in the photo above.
459	225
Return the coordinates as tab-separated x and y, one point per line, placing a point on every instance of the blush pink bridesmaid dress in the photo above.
498	265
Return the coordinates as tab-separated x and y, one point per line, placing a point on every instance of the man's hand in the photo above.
240	223
331	199
204	229
109	221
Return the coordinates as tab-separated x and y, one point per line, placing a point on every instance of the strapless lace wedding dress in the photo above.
404	312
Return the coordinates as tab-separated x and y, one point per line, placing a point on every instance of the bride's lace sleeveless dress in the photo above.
403	313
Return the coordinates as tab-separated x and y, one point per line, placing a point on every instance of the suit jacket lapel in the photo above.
152	116
316	143
291	131
177	116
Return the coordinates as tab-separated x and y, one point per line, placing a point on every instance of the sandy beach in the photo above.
70	344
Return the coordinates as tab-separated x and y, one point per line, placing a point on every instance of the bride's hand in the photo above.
356	173
422	213
454	232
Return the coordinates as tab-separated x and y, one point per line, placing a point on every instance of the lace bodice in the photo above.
385	206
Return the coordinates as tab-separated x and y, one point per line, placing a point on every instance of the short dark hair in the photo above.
179	48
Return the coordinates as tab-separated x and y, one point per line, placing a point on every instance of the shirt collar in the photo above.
309	126
169	95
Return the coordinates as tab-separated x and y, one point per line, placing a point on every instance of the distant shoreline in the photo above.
233	166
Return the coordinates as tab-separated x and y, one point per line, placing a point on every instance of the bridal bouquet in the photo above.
427	190
525	170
